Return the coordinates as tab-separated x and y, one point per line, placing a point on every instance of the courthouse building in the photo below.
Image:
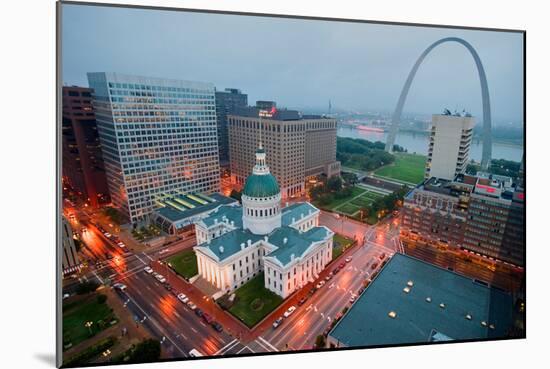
236	243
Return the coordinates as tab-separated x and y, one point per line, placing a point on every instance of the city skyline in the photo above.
298	68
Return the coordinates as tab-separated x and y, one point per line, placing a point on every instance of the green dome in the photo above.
261	185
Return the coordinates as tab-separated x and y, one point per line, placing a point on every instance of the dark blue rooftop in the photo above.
367	323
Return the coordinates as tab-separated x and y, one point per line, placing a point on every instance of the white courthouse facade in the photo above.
236	243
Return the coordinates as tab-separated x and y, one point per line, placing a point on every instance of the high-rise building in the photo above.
159	137
297	146
82	161
69	259
226	103
449	148
482	213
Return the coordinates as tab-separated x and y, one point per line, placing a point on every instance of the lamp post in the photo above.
89	326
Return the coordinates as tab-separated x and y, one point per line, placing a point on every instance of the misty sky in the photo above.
298	63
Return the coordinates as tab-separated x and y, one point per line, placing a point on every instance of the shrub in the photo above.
101	299
86	287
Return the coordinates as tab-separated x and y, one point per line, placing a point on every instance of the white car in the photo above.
148	270
160	278
183	298
191	305
320	284
107	234
289	311
119	286
352	298
121	245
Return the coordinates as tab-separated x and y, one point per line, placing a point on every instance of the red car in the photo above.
207	318
342	265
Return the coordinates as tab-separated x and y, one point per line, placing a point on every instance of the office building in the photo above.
159	136
226	103
411	301
483	214
297	146
82	161
236	243
449	147
70	261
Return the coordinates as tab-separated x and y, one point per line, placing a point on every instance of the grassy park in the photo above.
407	168
253	301
341	243
76	314
184	263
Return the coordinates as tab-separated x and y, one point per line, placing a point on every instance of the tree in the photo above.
334	184
101	299
146	351
86	287
320	341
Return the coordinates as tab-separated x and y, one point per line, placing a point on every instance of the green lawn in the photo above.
339	245
253	301
406	168
76	314
349	208
337	202
184	263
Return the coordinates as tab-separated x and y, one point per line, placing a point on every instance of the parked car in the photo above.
352	298
277	322
373	266
207	318
121	245
302	301
160	278
183	298
336	270
199	312
191	305
107	234
382	256
148	270
289	311
320	284
168	287
328	277
348	259
342	265
217	326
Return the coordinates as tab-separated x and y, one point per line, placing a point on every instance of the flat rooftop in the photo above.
180	207
419	317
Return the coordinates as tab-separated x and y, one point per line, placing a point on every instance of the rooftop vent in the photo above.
285	240
406	290
484	323
233	223
442	305
249	242
410	283
221	249
468	316
428	299
215	220
293	219
492	326
242	246
392	314
291	256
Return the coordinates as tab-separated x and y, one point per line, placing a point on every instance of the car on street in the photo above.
217	326
342	265
168	287
121	245
183	298
277	322
352	298
328	277
302	301
382	256
107	234
191	305
84	230
289	311
348	259
119	286
336	270
148	270
207	318
373	266
199	312
161	278
320	284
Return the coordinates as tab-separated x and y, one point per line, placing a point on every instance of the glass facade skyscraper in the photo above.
158	136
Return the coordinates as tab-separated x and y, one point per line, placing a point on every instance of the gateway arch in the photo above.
396	118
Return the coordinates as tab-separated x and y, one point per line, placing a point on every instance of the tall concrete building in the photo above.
159	137
449	148
69	260
482	213
297	146
226	103
82	160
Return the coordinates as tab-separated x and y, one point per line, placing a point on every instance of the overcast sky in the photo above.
298	63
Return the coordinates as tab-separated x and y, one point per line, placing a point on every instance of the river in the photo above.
418	143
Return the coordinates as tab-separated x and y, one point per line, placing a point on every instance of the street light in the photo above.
89	326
